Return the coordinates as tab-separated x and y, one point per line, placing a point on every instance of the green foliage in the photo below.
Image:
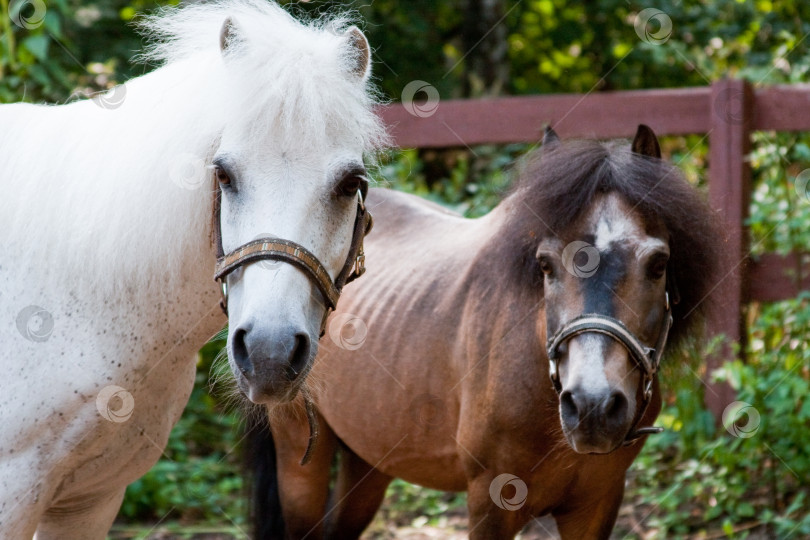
407	503
475	182
70	49
780	215
25	69
561	46
696	478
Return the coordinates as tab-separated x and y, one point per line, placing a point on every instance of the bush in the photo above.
696	477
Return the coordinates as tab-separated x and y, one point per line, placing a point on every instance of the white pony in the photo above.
106	257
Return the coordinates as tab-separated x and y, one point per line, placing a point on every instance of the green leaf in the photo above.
38	46
745	509
53	24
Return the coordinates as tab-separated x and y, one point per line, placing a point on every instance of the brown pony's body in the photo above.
450	388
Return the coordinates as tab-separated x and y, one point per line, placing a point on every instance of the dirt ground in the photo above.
451	527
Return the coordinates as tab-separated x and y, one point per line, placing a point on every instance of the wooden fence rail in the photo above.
726	112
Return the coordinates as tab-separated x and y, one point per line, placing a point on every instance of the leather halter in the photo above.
290	252
647	359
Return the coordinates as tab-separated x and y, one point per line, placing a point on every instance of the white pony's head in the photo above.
298	120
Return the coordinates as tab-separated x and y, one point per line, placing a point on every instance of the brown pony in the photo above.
445	381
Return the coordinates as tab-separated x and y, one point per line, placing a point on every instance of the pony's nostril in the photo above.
567	405
299	356
240	353
615	406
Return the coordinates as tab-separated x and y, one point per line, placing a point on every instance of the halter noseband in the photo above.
290	252
647	359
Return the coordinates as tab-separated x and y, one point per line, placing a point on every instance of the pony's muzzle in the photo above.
582	410
598	383
594	423
270	361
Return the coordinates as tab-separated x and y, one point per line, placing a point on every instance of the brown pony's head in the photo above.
625	243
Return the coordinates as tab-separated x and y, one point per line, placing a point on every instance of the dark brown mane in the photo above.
557	185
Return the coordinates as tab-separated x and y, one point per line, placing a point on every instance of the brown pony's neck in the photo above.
504	286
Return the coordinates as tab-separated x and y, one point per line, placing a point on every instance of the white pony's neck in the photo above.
120	198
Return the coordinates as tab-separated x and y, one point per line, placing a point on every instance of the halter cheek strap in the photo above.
648	360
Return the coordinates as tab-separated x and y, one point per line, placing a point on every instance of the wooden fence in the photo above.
726	112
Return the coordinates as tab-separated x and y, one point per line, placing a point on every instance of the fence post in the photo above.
732	107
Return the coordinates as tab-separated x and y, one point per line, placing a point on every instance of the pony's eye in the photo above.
657	268
221	176
545	266
349	186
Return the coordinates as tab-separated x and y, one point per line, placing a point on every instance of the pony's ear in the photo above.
550	139
646	143
227	34
360	53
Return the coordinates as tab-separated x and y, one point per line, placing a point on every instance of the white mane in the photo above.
88	194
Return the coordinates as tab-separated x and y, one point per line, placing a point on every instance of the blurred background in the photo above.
693	481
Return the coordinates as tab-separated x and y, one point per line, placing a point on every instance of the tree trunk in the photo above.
484	40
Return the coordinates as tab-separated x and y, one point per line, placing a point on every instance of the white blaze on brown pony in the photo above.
459	315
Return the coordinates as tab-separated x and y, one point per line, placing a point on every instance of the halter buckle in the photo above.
360	264
554	375
223	302
648	388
